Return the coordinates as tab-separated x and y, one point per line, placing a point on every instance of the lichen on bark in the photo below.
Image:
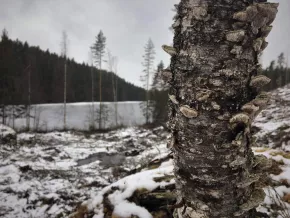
215	95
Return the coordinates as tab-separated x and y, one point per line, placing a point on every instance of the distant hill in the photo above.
18	60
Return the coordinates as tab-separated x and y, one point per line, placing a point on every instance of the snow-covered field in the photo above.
47	117
71	174
48	175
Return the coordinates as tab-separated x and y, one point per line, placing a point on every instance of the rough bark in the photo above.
216	94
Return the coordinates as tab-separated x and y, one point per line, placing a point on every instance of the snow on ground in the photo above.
274	122
48	117
277	201
6	131
48	175
126	187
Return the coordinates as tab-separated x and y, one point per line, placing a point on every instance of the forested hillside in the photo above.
23	66
279	73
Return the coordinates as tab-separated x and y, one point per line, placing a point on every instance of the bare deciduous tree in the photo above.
64	51
92	117
113	68
215	94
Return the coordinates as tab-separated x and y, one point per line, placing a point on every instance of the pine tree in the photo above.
215	94
148	64
99	52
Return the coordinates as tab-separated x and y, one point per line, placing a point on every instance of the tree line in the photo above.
29	75
279	73
27	72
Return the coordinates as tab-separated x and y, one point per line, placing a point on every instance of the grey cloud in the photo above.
127	25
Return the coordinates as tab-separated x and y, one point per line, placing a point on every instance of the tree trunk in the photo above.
3	113
13	115
147	97
215	95
64	94
114	87
101	108
29	98
93	107
116	101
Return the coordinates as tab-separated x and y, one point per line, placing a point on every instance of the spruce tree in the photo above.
98	49
148	64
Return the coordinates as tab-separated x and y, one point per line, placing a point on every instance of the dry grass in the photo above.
280	204
281	153
286	198
261	150
81	212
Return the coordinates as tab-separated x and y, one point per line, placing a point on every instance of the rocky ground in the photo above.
123	173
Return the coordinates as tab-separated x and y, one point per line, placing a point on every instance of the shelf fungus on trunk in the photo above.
262	99
215	106
235	36
173	99
248	181
255	200
169	50
265	31
171	142
257	45
239	161
250	108
259	15
259	81
261	162
215	68
240	119
188	112
203	95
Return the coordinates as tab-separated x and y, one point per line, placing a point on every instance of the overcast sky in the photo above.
127	24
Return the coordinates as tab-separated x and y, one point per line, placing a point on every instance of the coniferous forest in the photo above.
29	75
27	69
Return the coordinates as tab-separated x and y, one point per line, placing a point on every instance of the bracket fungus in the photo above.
236	35
173	99
203	95
241	118
247	15
169	50
250	108
264	45
259	81
256	199
238	162
262	162
265	31
258	44
188	112
259	15
262	99
249	181
215	106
